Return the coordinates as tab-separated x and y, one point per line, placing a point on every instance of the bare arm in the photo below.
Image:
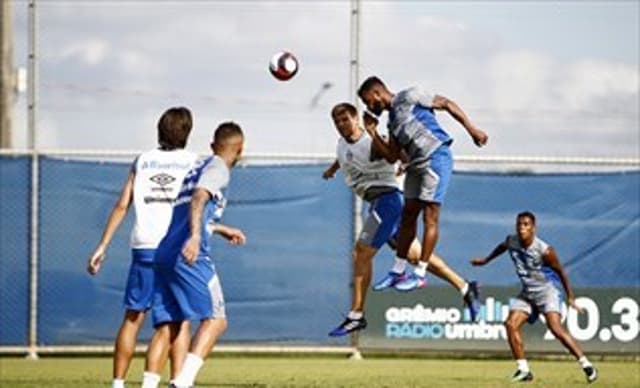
497	251
551	259
192	245
388	149
443	103
233	235
330	172
113	222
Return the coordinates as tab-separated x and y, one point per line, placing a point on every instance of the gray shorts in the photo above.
546	300
429	183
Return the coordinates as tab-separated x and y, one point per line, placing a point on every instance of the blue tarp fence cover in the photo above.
291	282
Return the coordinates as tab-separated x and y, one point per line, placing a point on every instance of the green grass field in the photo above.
236	371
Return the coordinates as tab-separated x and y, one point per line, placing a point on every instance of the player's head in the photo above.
375	95
345	119
174	127
526	225
228	142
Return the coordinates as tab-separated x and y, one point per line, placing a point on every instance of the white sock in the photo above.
399	265
117	383
421	269
190	369
355	314
523	365
150	380
464	289
584	362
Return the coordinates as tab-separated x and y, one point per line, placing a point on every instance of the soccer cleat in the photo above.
390	280
411	282
348	326
521	375
591	373
471	300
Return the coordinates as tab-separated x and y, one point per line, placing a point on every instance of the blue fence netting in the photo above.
291	281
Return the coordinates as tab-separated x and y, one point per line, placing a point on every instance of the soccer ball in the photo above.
283	65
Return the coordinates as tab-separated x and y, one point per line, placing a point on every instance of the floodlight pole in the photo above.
32	79
354	66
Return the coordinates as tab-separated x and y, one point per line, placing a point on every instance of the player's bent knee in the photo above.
363	252
218	325
134	317
511	325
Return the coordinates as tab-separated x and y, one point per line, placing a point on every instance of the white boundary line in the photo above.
269	349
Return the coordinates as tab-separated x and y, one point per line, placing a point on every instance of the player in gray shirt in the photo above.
415	131
539	270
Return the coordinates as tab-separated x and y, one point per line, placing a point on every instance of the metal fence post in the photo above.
35	187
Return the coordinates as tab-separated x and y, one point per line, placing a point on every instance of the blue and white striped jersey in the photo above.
413	125
534	274
211	174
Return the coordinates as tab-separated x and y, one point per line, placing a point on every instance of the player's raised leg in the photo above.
469	290
362	268
406	236
381	224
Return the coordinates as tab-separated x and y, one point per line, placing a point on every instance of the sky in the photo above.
542	78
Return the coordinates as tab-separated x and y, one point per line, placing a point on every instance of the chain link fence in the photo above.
286	287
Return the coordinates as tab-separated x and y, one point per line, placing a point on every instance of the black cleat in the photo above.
521	376
471	300
348	326
591	373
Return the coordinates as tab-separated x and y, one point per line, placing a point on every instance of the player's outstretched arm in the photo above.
191	247
330	172
234	235
497	251
551	259
443	103
113	222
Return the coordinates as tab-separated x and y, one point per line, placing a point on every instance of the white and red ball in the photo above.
283	65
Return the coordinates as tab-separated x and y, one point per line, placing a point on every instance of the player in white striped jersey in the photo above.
187	285
374	179
539	270
152	186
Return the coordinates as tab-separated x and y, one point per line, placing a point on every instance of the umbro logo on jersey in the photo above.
162	179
